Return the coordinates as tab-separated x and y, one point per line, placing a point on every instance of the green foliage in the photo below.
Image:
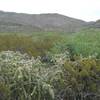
27	79
82	79
85	42
57	67
34	46
4	92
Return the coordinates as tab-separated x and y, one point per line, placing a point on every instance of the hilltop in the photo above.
20	22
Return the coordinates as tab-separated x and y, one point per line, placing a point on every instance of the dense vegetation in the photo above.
25	78
50	66
85	42
33	45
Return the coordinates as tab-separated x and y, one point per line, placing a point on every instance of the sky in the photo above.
88	10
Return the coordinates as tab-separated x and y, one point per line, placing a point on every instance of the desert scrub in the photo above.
82	79
27	78
4	92
33	45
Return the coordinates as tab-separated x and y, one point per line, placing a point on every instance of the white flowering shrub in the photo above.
52	77
27	78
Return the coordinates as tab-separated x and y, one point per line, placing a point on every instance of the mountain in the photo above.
20	22
94	24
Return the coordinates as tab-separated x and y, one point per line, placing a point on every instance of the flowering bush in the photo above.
27	78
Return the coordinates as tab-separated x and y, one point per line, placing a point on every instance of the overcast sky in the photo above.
88	10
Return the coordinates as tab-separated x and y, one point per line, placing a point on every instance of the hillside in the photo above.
93	24
20	22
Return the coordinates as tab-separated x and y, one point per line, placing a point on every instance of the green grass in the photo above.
85	42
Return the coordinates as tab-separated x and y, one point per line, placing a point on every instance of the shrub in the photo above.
27	78
82	79
26	44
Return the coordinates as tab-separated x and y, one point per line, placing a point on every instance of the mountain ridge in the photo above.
22	22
